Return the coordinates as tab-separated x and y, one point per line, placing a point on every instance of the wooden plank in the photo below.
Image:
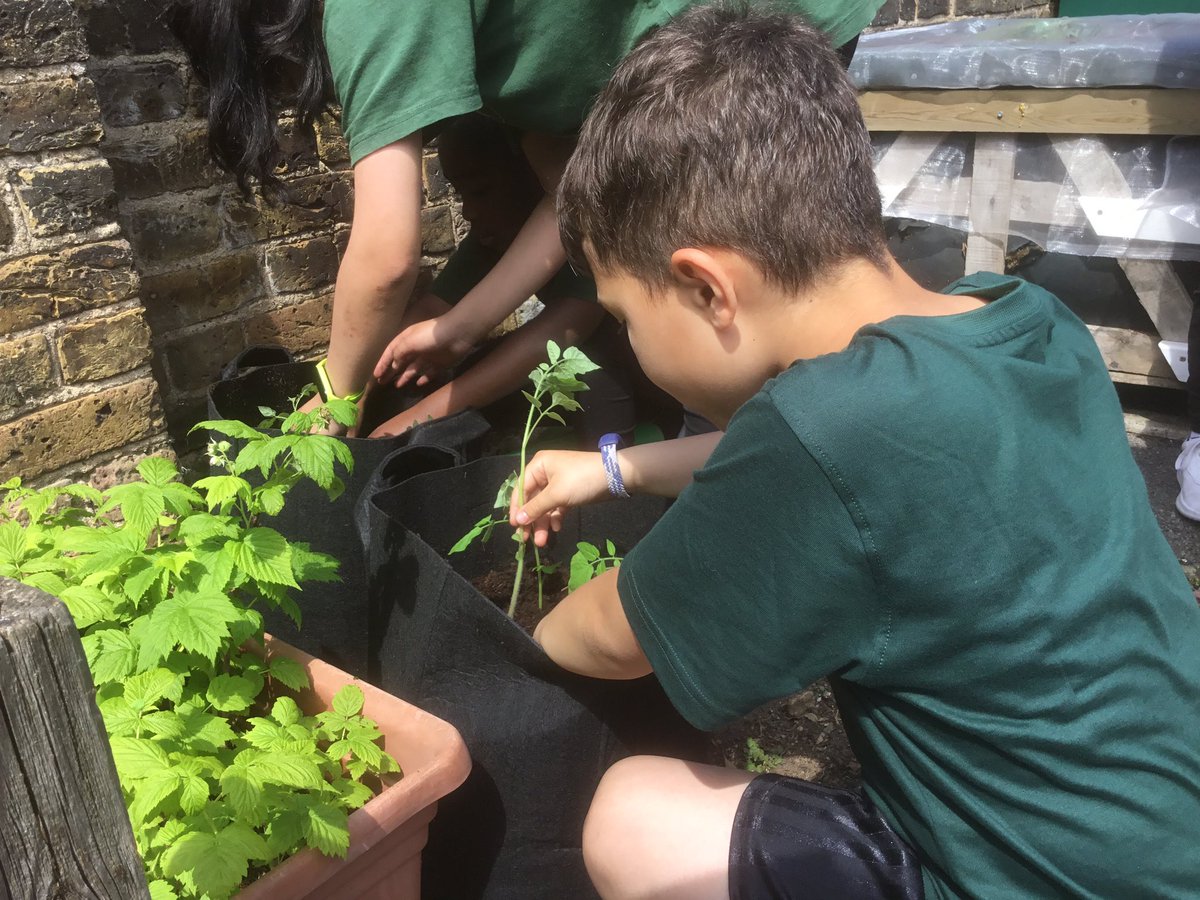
991	202
1149	380
1162	294
1036	111
1133	352
63	820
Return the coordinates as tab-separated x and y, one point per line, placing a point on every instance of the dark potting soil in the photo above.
497	584
801	736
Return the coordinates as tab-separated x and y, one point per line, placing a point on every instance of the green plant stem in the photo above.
520	488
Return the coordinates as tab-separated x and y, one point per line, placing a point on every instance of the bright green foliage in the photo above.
555	384
758	759
222	773
588	562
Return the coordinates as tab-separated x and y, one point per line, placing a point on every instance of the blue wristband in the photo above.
612	469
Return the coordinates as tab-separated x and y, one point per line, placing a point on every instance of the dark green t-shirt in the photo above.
471	261
946	518
537	65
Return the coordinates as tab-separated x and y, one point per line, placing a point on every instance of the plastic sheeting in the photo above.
1096	51
1117	196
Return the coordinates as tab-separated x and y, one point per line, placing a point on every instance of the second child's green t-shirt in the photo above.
946	519
536	65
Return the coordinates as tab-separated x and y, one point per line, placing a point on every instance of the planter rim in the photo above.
441	759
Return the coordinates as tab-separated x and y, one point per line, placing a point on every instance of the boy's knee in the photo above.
609	832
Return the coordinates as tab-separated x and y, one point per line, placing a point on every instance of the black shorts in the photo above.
794	839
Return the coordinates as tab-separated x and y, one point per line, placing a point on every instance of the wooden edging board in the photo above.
1035	110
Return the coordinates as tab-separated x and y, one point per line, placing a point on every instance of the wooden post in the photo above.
991	203
64	831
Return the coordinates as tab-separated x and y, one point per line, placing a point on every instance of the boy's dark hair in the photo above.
731	126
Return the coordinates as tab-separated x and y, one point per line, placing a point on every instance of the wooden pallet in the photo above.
993	196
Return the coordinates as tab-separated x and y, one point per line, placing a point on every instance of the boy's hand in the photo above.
556	480
421	351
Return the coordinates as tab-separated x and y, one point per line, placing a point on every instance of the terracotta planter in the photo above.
388	834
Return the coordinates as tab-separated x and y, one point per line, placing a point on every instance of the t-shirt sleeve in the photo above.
398	68
755	582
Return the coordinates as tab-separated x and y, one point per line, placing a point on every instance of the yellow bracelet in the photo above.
327	385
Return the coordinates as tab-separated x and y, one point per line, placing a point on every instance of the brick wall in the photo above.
77	390
896	13
131	268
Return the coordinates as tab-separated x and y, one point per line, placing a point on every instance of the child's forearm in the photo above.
665	468
589	634
533	257
380	267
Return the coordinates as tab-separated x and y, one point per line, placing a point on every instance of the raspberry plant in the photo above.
223	775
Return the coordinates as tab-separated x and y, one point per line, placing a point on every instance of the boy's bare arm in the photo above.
557	480
506	368
588	633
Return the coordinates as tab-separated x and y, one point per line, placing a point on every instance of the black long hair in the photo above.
256	57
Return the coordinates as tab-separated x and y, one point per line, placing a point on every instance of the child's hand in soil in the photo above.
555	481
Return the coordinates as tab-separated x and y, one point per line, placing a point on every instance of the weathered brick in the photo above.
140	92
66	197
930	9
302	265
55	436
889	14
297	147
123	469
36	289
187	296
195	361
105	347
25	372
311	201
171	230
161	161
436	184
6	227
300	327
117	27
437	229
47	115
992	7
908	10
331	144
40	33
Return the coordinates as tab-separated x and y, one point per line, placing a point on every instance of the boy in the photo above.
900	502
483	160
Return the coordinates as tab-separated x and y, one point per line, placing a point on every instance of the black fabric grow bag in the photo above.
539	737
334	616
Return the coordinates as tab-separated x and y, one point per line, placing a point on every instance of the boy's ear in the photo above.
704	280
